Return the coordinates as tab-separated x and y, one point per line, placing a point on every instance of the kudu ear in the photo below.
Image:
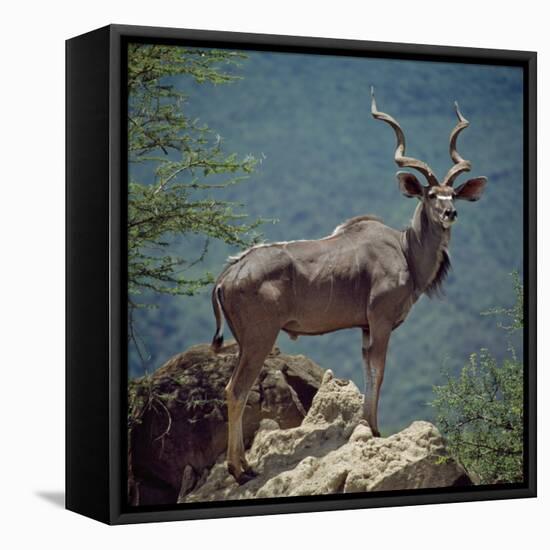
409	185
471	190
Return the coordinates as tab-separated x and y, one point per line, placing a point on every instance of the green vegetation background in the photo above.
325	159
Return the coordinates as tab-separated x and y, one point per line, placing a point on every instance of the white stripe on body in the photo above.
239	256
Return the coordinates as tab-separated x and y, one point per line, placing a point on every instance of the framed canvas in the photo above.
262	317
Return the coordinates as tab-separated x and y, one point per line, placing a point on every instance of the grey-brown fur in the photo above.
364	275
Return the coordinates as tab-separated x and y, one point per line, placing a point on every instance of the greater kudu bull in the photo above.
365	274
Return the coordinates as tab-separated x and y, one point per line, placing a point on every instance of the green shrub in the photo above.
481	411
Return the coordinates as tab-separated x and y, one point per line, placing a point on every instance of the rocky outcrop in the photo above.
178	418
303	429
333	451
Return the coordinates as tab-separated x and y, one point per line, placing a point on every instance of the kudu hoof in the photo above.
246	476
243	476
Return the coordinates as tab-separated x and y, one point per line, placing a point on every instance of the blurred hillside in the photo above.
325	159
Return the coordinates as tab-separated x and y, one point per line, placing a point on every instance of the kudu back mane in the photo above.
346	226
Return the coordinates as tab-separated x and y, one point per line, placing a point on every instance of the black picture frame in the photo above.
96	171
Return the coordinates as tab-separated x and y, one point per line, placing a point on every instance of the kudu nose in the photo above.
451	214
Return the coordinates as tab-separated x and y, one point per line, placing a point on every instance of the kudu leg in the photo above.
375	345
249	366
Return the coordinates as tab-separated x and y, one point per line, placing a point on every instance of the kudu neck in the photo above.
425	244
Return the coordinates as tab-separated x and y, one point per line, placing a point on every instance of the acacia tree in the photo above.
481	411
176	164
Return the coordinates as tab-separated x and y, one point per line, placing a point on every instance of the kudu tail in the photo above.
217	341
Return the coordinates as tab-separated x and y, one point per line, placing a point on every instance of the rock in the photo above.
333	451
178	416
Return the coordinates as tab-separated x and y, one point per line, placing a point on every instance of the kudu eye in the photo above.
431	195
